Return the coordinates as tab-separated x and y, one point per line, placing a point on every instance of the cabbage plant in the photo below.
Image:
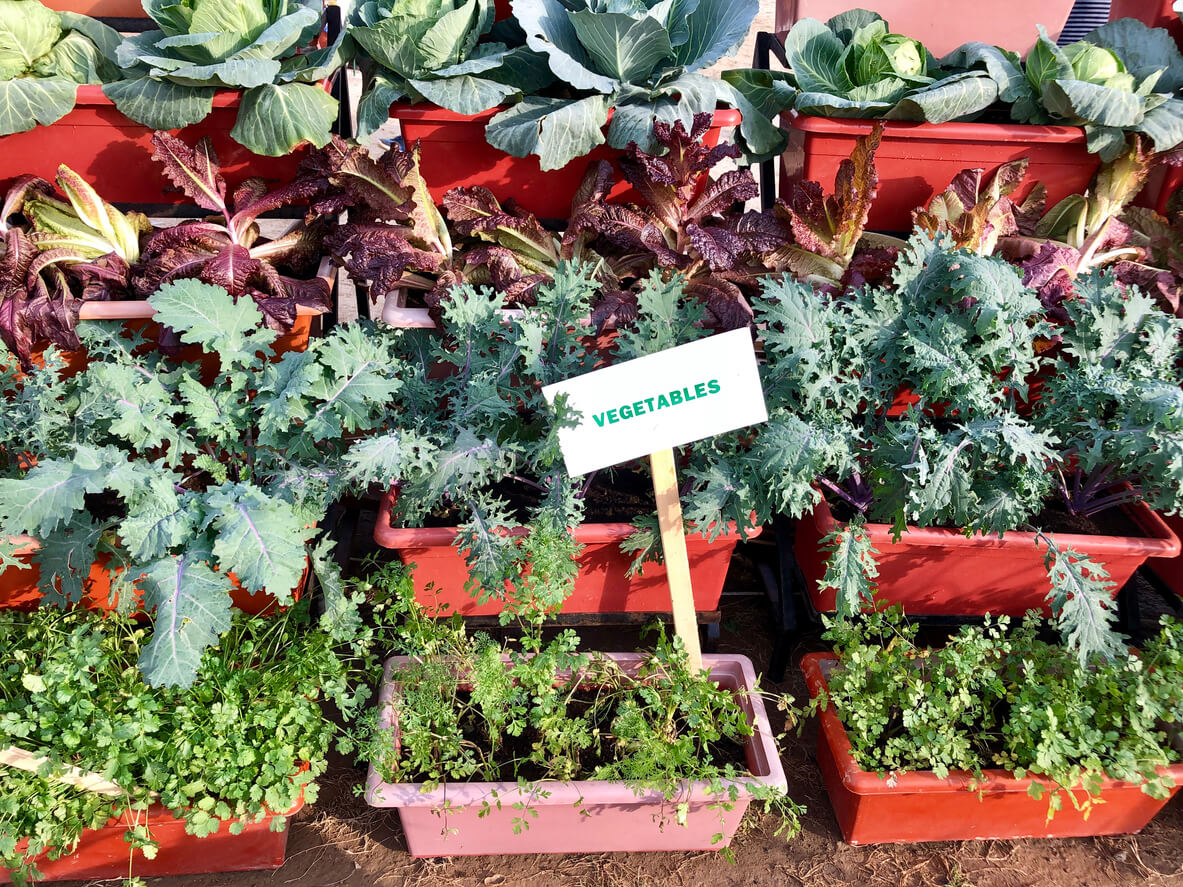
854	66
437	51
1124	77
638	60
263	47
44	57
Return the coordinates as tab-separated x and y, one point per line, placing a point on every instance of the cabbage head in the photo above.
262	47
44	57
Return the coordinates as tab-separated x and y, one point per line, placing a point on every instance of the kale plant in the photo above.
963	335
178	484
473	430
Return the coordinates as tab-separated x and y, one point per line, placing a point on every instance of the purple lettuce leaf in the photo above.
194	170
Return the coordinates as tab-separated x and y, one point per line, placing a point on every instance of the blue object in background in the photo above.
1086	16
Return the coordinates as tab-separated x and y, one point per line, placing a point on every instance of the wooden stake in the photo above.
673	543
80	779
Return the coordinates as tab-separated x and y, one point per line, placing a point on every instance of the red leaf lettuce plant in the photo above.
396	237
229	252
57	255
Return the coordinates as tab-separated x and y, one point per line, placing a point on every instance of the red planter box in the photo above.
1170	569
455	154
20	589
921	806
941	571
136	314
114	154
576	817
103	853
917	160
601	587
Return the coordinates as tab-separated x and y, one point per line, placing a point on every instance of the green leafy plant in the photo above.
60	254
180	485
998	697
245	743
44	57
262	48
476	442
438	52
853	66
1121	78
966	340
636	63
471	709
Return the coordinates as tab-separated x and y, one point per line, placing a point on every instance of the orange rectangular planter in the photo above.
455	154
921	806
103	853
917	160
114	154
137	315
20	588
602	586
940	571
1170	569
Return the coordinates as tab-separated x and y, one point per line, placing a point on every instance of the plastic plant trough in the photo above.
455	154
1170	569
576	817
137	314
20	588
114	154
602	585
921	806
103	853
940	571
917	160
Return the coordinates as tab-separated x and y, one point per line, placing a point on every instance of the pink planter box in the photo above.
941	571
575	817
602	586
921	806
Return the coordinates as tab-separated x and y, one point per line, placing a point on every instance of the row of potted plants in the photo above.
559	86
427	462
387	243
960	377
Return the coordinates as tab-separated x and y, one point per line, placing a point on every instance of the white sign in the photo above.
660	401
